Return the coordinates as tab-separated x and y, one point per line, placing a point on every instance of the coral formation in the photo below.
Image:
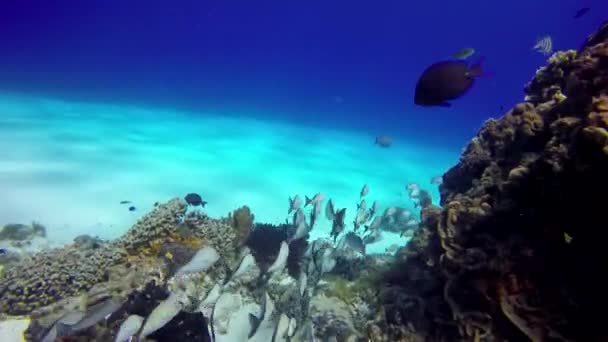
516	251
20	232
52	275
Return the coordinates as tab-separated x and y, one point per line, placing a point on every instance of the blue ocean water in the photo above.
246	101
351	65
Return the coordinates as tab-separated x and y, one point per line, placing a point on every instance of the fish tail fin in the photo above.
307	200
476	70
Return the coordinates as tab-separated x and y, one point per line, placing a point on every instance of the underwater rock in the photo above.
20	232
87	242
51	275
331	318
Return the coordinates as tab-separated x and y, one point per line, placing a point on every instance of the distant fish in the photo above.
364	190
374	209
464	53
437	180
338	223
298	217
314	213
195	200
354	241
412	186
302	227
132	208
383	141
581	12
392	249
373	237
375	225
96	313
361	218
544	45
125	202
362	205
329	210
294	203
444	81
318	198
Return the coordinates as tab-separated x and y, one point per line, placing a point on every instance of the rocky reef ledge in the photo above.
516	252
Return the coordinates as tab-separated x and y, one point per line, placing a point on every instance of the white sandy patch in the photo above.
68	165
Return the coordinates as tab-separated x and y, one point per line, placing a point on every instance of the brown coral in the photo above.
52	275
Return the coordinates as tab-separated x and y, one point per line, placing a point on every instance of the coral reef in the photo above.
20	232
516	251
52	275
170	271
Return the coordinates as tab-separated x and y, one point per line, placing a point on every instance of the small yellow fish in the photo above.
567	237
464	53
169	256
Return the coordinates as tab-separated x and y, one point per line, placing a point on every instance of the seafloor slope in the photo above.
515	253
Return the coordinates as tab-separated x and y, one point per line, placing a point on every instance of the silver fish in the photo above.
375	224
316	211
298	217
362	217
338	223
544	45
256	321
365	190
302	229
383	141
437	180
294	204
318	198
374	209
391	249
61	326
362	205
96	313
372	237
354	241
329	210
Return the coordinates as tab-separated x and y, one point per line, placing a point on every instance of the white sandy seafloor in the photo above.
68	165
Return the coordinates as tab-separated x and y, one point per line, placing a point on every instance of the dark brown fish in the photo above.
195	200
444	81
383	141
